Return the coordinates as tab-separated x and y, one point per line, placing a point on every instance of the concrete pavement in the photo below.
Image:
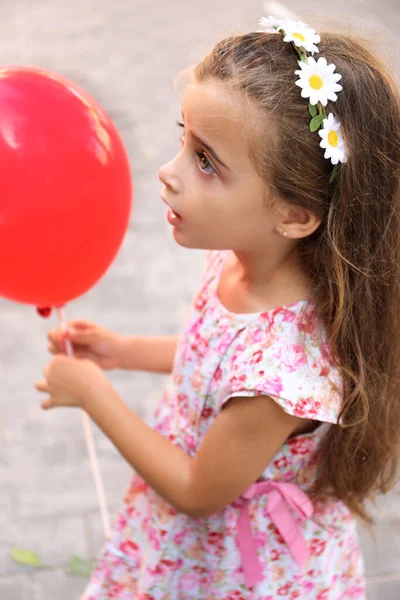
125	52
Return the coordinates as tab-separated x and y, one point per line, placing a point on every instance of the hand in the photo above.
101	346
70	382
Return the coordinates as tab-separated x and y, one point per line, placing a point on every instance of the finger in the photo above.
42	386
53	349
55	335
80	325
82	337
48	403
85	354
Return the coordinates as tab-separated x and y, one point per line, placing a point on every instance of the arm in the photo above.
236	450
154	354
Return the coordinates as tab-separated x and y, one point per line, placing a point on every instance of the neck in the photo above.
266	270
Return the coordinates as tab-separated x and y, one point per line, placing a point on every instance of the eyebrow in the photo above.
208	147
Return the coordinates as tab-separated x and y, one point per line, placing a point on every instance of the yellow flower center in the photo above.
333	138
316	82
299	36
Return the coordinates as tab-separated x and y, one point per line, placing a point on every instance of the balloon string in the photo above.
101	496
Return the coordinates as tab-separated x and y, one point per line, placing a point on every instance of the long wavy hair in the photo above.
353	258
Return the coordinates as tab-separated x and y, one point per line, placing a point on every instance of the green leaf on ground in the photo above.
26	557
80	566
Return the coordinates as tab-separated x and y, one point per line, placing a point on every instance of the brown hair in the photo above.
353	259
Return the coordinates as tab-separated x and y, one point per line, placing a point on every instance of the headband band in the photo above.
318	82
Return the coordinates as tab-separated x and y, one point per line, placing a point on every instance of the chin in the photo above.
186	242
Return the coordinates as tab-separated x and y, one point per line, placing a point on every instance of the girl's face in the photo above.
211	183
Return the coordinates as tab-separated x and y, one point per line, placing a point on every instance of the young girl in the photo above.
281	416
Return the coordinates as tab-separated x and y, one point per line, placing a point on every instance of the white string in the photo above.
101	496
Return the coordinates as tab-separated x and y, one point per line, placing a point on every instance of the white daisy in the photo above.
332	140
318	81
301	35
270	24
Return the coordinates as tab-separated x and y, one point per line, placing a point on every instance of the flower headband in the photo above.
318	82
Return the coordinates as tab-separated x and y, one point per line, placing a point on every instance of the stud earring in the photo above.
285	233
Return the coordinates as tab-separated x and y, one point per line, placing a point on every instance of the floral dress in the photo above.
271	542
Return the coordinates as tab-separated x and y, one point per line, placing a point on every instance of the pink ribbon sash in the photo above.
282	497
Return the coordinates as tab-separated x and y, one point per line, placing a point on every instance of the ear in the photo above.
299	222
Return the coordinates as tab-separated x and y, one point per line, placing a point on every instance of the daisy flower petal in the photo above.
332	140
301	35
319	81
270	24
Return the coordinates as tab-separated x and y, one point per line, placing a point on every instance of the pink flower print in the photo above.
200	570
114	590
294	595
308	586
257	337
197	381
284	590
323	595
158	570
183	401
311	573
257	357
356	591
190	443
300	446
196	325
199	345
298	356
324	371
277	573
237	382
206	412
129	548
274	386
281	463
169	565
200	302
218	374
307	323
215	538
122	522
178	378
274	555
224	344
306	407
188	581
131	511
153	539
178	537
317	546
288	315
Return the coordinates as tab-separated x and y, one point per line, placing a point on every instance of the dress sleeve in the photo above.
288	360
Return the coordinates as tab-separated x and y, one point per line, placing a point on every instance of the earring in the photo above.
285	233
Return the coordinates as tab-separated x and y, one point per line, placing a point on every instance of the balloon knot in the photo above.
44	311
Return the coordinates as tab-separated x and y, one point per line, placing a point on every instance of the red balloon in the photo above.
65	188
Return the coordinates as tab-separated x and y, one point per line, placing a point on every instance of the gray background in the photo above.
126	53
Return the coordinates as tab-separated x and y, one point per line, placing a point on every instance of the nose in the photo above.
168	176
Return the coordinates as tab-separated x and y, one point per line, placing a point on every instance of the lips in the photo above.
171	208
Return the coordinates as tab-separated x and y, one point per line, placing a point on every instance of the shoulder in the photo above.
285	355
